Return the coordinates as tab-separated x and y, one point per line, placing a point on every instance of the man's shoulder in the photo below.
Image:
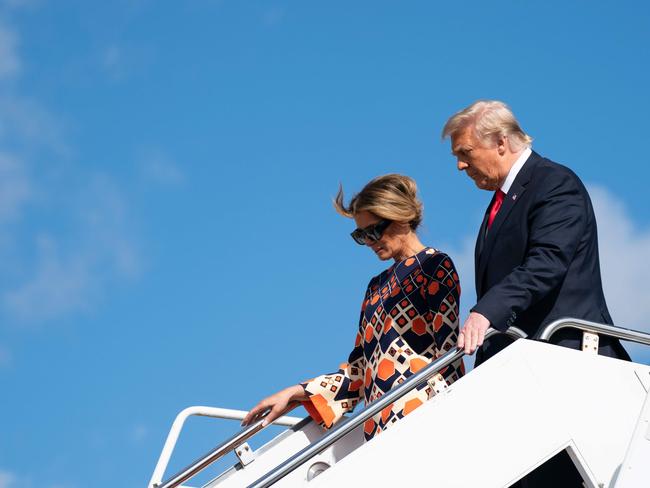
551	173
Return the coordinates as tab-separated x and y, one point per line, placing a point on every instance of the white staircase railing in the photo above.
547	332
224	448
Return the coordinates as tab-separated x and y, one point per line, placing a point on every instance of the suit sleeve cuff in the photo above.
499	319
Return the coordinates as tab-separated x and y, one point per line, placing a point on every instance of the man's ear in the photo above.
502	145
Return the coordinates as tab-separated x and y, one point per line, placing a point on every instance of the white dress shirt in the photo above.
514	171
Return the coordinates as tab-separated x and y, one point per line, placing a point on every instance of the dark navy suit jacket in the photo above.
539	260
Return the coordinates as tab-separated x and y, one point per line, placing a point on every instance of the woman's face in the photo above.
391	245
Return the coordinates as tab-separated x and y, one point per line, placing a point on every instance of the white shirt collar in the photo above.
514	171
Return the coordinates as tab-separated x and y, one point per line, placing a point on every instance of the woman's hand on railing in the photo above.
277	404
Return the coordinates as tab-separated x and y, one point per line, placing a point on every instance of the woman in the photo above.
409	315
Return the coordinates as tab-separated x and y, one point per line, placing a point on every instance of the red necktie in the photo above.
498	200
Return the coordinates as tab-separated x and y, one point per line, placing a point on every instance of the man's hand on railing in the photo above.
277	404
473	332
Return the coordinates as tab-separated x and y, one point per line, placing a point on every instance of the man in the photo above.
536	256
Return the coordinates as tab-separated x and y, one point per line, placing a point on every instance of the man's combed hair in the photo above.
392	197
490	120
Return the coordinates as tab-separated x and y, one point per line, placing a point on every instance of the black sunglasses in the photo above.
372	232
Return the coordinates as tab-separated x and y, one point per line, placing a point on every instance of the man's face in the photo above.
481	163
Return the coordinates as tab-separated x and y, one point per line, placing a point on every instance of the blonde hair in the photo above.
392	197
491	120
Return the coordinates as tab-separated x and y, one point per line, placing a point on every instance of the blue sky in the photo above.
166	172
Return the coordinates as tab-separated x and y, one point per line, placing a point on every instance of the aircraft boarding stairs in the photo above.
488	429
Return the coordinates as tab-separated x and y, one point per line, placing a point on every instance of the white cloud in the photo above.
138	434
7	479
114	62
159	168
15	187
71	274
54	268
19	3
273	16
10	63
25	125
120	59
5	360
61	252
22	120
624	263
10	480
58	285
105	216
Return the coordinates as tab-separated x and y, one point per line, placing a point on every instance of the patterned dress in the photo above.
409	317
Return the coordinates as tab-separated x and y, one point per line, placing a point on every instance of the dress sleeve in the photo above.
443	298
332	395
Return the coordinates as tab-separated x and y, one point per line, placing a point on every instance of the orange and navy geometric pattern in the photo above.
409	317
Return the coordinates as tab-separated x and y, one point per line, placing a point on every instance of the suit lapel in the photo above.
511	199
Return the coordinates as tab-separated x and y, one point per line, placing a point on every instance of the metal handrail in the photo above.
369	411
219	451
202	411
610	330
